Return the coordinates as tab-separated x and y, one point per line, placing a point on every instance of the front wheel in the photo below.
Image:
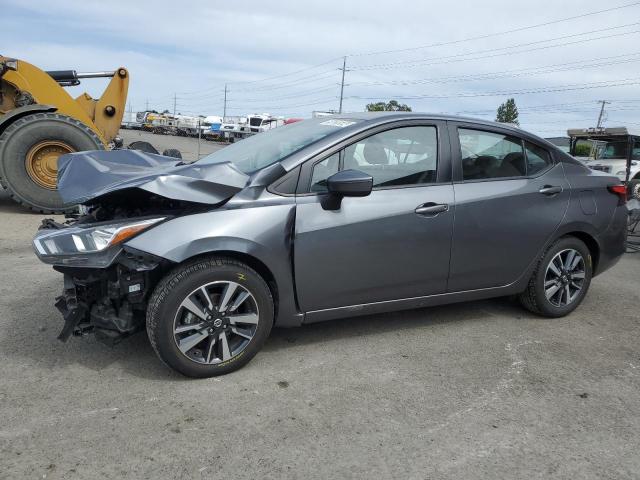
561	279
209	317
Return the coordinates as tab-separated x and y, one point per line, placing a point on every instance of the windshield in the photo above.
264	149
618	150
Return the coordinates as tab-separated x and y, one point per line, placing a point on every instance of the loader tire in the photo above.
29	151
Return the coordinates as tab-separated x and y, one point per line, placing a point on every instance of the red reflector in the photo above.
620	190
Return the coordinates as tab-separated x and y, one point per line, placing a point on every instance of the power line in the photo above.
285	107
559	88
410	63
296	72
489	35
304	93
234	100
290	83
551	106
287	74
558	67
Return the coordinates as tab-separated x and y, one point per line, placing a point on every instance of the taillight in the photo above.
620	191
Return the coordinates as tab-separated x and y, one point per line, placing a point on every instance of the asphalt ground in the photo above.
481	390
188	146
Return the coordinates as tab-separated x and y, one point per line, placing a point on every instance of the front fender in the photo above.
262	232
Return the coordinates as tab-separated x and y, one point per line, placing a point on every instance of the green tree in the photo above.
508	112
390	106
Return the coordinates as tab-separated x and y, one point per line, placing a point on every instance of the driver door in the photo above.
393	244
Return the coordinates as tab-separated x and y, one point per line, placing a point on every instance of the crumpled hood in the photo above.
86	176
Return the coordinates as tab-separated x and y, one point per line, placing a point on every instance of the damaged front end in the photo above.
122	194
109	302
106	284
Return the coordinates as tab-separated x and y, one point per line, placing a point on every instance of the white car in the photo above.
616	166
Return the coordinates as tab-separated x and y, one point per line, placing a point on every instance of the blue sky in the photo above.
190	49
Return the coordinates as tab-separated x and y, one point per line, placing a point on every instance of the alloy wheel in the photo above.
564	277
215	322
42	162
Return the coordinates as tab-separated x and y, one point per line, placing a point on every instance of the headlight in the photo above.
86	246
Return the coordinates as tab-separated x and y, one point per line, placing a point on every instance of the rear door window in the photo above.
488	155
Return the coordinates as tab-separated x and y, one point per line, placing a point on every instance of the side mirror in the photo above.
347	183
350	183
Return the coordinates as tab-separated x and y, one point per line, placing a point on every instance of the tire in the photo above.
142	146
634	188
534	298
172	152
17	144
207	358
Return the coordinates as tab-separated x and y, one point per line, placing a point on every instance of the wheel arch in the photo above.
591	243
250	260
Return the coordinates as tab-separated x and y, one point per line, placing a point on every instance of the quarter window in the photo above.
402	156
537	159
490	155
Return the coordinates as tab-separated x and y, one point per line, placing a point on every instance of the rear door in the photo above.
392	244
510	199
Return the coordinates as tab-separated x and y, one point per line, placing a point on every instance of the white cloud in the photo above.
197	46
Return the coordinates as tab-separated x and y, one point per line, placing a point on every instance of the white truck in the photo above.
250	125
130	120
607	149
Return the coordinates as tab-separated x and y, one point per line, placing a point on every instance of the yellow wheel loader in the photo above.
40	121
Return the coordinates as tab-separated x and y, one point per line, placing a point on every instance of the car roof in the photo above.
375	117
367	120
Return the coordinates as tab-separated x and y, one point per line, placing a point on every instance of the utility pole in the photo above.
174	104
199	137
224	111
147	107
344	69
601	116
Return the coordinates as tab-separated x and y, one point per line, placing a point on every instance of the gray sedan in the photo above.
324	219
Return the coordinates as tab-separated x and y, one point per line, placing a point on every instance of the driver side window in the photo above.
398	157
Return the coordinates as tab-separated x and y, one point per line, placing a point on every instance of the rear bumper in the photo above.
613	241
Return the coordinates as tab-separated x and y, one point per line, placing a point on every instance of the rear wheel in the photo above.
634	188
29	152
561	279
209	317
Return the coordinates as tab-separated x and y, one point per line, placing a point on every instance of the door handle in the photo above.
550	190
431	209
